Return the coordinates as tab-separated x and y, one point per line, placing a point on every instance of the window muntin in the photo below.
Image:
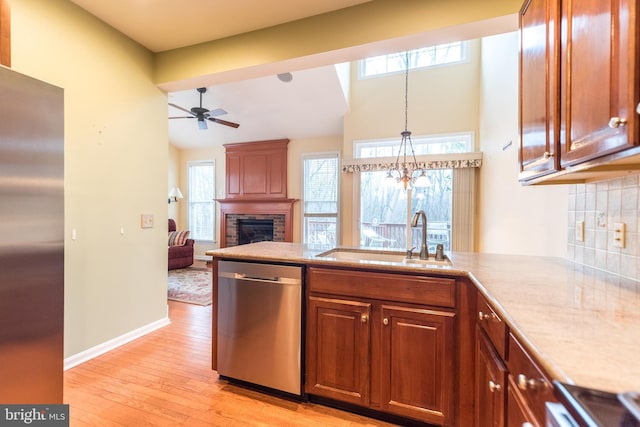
449	53
320	200
201	206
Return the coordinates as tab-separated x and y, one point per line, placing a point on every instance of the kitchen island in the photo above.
579	324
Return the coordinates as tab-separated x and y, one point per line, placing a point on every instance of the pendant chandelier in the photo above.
407	173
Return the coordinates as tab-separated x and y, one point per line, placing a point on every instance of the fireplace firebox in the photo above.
255	230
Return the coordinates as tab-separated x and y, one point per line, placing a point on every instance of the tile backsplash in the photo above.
600	205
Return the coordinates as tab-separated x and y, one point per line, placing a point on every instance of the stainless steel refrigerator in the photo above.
31	240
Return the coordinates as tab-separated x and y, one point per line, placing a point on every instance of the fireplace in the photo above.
252	230
242	228
256	194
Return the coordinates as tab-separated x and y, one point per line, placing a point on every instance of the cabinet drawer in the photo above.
530	383
493	325
392	287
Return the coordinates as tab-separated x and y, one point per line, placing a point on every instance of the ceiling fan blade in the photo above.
183	117
202	124
217	112
224	122
180	108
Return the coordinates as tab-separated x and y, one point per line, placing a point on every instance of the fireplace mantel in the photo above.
261	207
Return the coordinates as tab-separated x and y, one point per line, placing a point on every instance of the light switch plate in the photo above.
579	231
619	229
146	221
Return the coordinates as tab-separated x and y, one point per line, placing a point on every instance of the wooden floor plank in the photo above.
165	379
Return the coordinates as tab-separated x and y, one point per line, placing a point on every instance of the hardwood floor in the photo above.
165	379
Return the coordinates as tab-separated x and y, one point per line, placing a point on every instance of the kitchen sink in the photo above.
373	255
364	255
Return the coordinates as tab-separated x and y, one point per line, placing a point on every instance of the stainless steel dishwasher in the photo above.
259	324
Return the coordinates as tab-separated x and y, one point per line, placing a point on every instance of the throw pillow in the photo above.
178	238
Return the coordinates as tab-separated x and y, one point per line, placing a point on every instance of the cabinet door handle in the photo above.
385	321
494	387
364	318
525	383
616	122
482	316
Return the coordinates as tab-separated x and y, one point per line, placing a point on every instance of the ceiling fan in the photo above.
202	114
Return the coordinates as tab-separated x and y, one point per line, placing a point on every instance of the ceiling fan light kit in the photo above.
203	115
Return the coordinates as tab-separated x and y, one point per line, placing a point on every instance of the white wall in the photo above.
115	167
516	219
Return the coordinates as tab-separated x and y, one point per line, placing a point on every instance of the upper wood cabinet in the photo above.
539	74
257	170
578	88
598	85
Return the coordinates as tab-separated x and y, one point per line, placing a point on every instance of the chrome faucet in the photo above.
424	251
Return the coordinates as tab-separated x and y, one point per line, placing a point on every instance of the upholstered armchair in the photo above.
180	247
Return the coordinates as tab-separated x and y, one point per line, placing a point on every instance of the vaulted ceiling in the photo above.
311	105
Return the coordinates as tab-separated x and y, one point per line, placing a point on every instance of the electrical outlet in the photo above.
579	231
619	229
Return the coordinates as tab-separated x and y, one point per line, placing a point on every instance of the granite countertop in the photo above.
584	324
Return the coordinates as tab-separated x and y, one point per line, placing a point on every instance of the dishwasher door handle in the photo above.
243	276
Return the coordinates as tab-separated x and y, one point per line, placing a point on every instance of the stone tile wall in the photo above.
600	205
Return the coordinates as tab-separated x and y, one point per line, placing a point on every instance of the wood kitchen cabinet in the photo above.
491	384
539	88
511	388
598	89
578	89
338	363
417	363
368	343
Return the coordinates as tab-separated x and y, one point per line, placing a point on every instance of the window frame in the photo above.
464	47
433	138
303	214
191	202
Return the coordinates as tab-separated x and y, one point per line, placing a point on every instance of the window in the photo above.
386	210
449	53
320	200
201	204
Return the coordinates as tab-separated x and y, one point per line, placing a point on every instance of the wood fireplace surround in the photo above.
256	187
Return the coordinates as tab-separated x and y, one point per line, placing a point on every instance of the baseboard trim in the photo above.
114	343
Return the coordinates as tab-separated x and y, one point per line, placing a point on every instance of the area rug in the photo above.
192	285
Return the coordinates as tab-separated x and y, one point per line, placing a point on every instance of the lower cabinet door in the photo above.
518	413
338	349
491	384
417	363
